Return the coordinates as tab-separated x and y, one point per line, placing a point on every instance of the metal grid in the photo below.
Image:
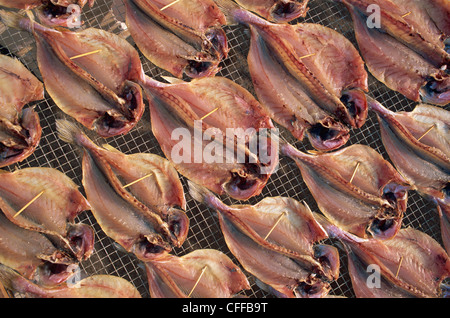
205	232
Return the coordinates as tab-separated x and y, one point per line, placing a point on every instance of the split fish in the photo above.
278	11
20	129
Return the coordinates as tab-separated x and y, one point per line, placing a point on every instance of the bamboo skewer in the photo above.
305	56
405	15
198	280
136	181
427	132
29	203
275	225
169	5
210	113
84	54
354	171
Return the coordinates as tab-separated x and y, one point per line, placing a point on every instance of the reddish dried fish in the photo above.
275	240
175	41
203	273
355	188
417	142
398	66
309	78
33	255
99	90
277	11
215	133
20	129
412	264
143	217
53	212
97	286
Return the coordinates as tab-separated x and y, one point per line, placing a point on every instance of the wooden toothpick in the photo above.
29	203
309	55
405	15
427	132
275	225
136	181
354	171
198	280
210	113
399	265
84	54
169	5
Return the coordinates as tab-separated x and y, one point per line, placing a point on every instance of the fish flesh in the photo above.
146	218
98	90
399	66
33	255
417	142
52	12
287	257
410	24
173	40
52	212
355	188
278	11
96	286
412	264
204	273
215	133
309	78
20	129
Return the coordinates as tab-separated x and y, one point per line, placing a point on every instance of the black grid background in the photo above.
108	258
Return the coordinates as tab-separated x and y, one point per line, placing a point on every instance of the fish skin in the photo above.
96	286
175	277
277	11
181	105
290	245
365	208
104	94
179	44
53	213
398	66
425	163
424	263
20	129
33	255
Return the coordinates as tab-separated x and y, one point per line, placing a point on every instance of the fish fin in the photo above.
198	193
172	80
227	7
11	19
67	130
7	276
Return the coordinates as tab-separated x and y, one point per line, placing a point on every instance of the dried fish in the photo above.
309	78
368	203
231	151
97	286
204	273
397	64
278	11
53	213
99	90
423	159
176	42
33	255
20	129
143	218
412	264
288	260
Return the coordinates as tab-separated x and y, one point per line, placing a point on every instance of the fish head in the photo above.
81	240
150	247
286	11
216	43
355	101
328	257
437	90
312	287
198	68
178	225
56	268
328	135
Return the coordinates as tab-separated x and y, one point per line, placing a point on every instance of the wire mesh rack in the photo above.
204	232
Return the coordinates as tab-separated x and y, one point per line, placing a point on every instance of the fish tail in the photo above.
229	9
71	133
199	193
7	277
16	20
